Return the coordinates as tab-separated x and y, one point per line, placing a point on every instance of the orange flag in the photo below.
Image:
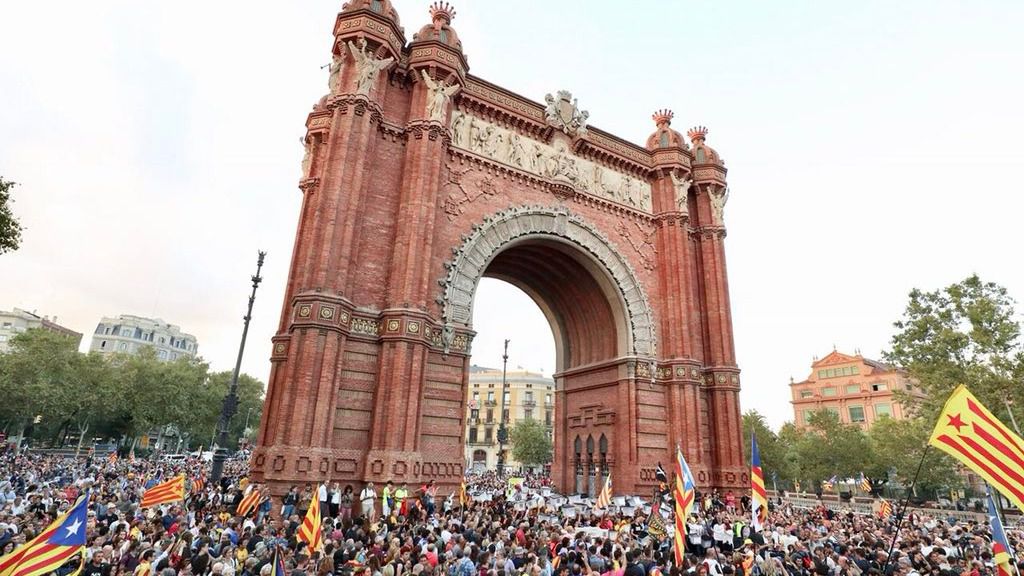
967	431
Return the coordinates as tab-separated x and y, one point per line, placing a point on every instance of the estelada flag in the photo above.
171	490
759	496
310	530
885	509
1002	554
967	431
54	546
278	564
683	495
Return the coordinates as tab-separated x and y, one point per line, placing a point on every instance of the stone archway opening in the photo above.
597	315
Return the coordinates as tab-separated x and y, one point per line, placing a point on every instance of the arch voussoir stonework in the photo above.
469	262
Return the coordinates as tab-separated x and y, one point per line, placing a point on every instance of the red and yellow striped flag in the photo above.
310	531
249	502
171	490
605	497
683	494
61	540
759	496
463	496
885	509
967	431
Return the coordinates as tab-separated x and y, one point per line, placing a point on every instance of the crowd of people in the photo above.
403	530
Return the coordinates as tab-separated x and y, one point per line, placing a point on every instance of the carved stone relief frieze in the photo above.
644	248
556	163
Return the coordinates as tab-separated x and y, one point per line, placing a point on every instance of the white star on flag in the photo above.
73	528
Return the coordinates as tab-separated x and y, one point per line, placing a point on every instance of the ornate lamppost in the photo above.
231	400
502	425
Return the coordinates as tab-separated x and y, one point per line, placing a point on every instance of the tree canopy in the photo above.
52	390
10	228
530	443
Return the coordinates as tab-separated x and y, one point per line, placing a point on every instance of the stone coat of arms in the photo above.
563	113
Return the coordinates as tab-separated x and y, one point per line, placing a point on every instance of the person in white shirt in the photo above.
368	501
321	495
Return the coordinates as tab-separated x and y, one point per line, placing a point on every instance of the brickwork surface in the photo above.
405	210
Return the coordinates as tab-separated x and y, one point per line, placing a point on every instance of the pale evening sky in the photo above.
872	147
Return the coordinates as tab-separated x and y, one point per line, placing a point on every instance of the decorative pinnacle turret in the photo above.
697	134
441	13
663	116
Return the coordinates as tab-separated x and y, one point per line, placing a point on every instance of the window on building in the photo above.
3	337
472	435
488	435
126	332
106	330
490	396
476	398
883	410
856	413
474	414
547	417
807	416
529	395
806	393
854	370
853	388
163	354
99	328
507	397
879	387
103	345
7	324
547	399
122	346
163	340
528	414
833	410
490	415
821	373
828	391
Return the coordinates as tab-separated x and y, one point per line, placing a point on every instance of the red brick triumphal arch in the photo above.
418	180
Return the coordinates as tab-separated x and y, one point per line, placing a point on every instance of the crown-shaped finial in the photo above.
442	13
697	133
663	116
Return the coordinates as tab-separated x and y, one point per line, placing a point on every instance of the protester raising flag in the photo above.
58	543
967	431
683	494
172	490
198	485
759	497
885	509
864	483
463	495
1002	554
605	497
310	530
250	501
830	484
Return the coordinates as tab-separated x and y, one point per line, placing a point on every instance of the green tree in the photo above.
828	447
10	228
530	443
33	375
898	446
211	400
964	333
773	453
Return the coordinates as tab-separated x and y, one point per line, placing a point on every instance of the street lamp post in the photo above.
502	425
231	400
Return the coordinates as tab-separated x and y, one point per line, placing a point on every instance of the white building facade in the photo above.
16	321
128	334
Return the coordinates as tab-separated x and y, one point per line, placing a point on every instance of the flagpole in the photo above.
903	509
997	499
